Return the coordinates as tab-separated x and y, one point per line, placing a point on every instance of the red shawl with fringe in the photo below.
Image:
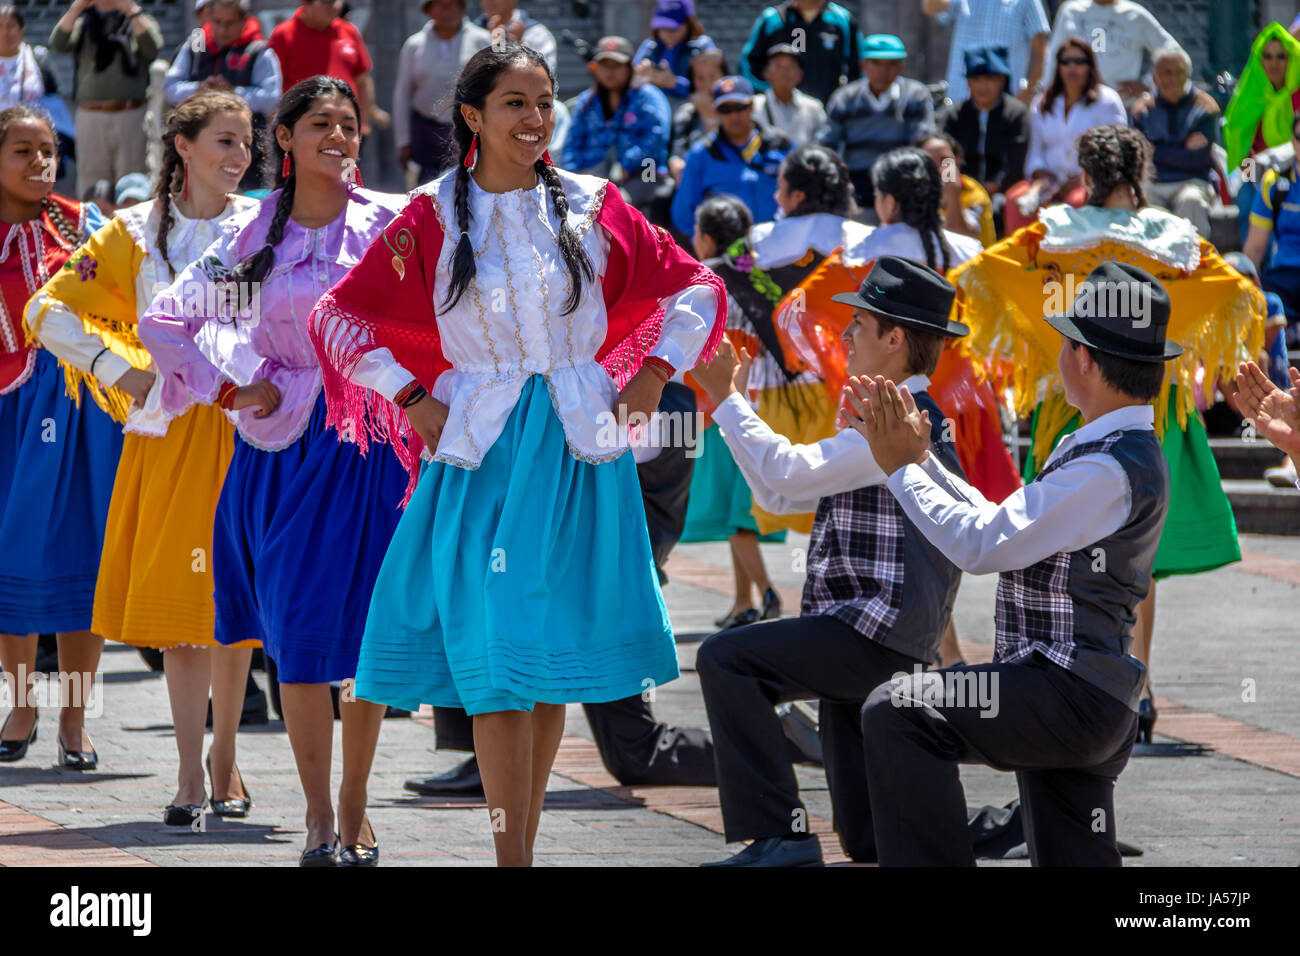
387	301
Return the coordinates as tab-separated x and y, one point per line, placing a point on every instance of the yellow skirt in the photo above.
813	421
155	575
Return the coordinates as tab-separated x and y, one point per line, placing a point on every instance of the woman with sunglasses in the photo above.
1074	102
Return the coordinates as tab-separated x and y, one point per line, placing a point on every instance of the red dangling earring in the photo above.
356	175
185	189
473	150
546	157
285	167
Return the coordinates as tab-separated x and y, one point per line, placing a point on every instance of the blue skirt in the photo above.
299	538
57	466
527	579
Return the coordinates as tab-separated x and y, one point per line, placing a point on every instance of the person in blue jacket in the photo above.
664	58
741	158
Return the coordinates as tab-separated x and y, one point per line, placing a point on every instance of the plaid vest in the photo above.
871	568
1076	608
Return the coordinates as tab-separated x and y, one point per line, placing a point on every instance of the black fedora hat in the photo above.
909	293
1121	310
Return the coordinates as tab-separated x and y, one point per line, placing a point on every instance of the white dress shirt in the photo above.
1083	501
1052	137
792	479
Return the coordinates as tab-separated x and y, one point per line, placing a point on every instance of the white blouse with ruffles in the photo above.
509	324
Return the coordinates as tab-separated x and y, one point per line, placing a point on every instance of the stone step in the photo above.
1243	458
1262	509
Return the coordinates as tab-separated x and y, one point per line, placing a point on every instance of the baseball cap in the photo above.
132	186
670	14
617	49
732	89
883	46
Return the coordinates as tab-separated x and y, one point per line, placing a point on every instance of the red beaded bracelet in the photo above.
660	367
226	395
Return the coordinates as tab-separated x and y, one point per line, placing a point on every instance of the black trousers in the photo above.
432	145
666	482
635	748
744	673
1066	740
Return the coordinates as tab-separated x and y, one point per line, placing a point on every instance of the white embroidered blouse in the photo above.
509	324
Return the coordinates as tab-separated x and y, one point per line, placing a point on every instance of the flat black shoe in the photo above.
236	808
77	759
12	750
184	816
324	855
462	781
741	618
777	851
359	854
771	606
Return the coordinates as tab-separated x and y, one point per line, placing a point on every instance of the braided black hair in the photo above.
821	175
910	176
1114	156
68	232
476	81
188	119
292	107
724	219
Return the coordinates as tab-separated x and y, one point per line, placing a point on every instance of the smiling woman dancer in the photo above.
155	579
520	577
57	456
279	545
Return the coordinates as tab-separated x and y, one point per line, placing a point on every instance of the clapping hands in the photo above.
1274	412
887	417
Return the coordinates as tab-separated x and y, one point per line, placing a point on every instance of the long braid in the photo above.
463	266
257	266
910	176
575	256
170	182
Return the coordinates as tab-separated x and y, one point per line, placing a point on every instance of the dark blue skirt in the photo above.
58	461
300	535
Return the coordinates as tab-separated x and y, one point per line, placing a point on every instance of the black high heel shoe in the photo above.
771	606
183	816
323	855
236	808
12	750
1146	718
77	759
359	854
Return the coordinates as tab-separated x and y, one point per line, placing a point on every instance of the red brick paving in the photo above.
29	840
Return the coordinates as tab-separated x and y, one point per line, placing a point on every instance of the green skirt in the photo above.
720	499
1200	533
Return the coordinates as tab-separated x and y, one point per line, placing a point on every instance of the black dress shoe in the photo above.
183	816
77	759
771	606
324	855
236	808
777	851
359	854
463	781
1146	719
11	750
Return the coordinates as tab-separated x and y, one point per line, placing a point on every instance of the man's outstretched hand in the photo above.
1276	413
898	432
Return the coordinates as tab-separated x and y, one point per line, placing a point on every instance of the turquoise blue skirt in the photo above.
58	462
528	579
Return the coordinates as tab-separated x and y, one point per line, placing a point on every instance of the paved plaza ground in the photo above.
1226	670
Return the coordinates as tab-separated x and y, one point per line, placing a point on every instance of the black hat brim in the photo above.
1066	326
949	327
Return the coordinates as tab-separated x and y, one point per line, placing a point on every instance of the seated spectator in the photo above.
967	209
25	76
427	69
784	106
696	118
1181	131
1075	102
1259	114
519	27
1128	31
825	33
316	40
741	158
676	38
1275	224
1020	27
616	130
131	189
991	126
229	53
112	44
880	111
